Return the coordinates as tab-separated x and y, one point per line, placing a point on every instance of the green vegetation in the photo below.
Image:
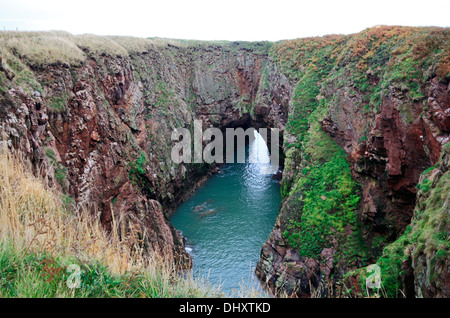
370	64
137	174
137	168
294	55
165	96
425	185
58	103
304	102
329	199
20	73
42	275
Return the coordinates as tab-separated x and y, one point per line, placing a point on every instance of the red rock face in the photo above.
397	153
395	157
439	104
249	80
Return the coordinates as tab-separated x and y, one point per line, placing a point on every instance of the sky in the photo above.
245	20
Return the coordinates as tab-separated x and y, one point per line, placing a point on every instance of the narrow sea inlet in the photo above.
229	218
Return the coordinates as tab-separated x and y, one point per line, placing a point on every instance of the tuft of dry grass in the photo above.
58	47
133	44
99	45
43	48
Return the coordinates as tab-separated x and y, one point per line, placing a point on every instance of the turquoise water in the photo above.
228	219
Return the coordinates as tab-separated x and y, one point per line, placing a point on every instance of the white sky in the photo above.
248	20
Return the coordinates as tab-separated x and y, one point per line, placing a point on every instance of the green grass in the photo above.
259	47
23	76
137	174
58	103
329	199
41	275
425	185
